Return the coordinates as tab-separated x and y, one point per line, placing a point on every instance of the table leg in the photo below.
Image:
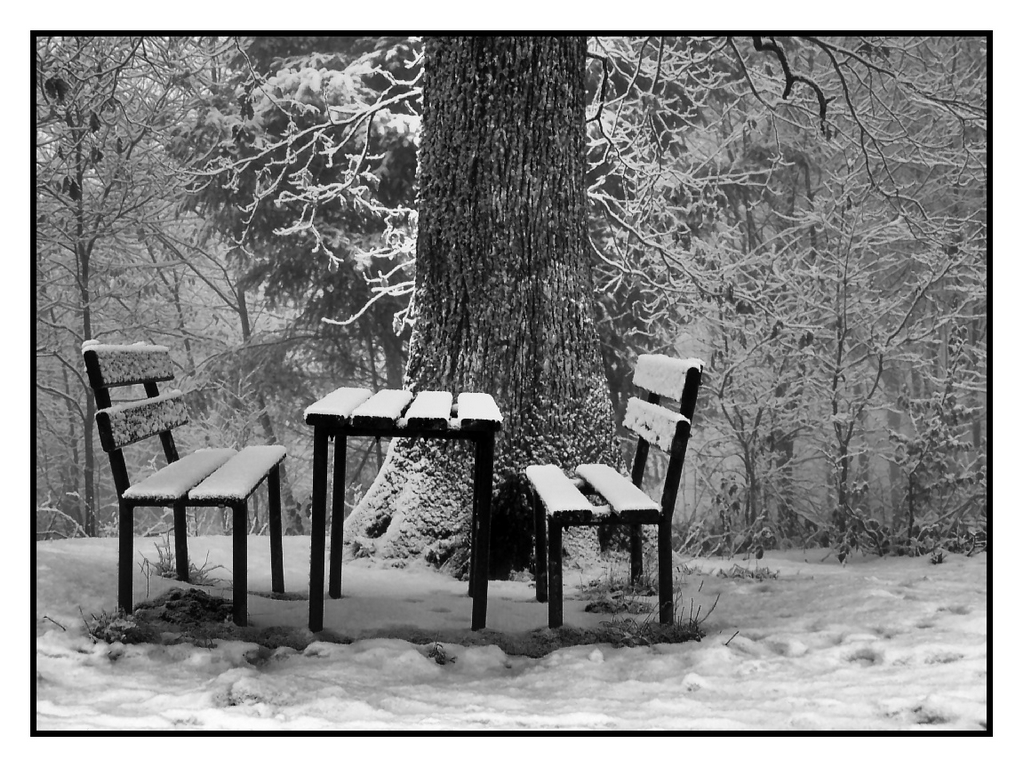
483	471
276	543
337	515
317	536
239	563
474	524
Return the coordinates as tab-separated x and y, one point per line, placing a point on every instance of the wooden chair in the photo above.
560	501
206	478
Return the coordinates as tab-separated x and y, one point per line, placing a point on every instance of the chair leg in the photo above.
554	575
474	530
276	546
540	543
125	545
665	571
317	532
239	526
337	516
636	554
181	540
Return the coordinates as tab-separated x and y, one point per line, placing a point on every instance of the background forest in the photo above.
808	215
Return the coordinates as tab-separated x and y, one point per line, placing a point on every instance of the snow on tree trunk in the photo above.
504	296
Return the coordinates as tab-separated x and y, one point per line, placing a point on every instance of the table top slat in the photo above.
339	403
383	408
478	409
430	410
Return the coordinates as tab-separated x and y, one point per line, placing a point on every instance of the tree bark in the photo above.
504	295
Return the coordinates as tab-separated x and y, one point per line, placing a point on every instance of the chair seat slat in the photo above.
236	479
175	480
618	491
556	491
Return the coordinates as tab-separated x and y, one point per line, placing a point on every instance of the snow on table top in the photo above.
352	404
340	402
663	374
238	478
556	491
618	491
429	406
386	404
478	406
177	478
654	423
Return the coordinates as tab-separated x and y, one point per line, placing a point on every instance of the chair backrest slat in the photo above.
655	424
664	375
128	423
119	365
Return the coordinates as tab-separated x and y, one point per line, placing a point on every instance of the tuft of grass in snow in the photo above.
614	593
625	601
759	573
165	567
685	626
439	654
117	627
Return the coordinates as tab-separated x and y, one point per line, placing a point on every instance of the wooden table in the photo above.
356	412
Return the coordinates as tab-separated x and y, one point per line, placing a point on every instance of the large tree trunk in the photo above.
504	296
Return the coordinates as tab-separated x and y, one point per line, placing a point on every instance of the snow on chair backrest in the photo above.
654	423
119	365
663	375
127	423
122	365
676	379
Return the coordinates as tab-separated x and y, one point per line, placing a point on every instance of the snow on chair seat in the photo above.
626	500
556	491
235	480
175	480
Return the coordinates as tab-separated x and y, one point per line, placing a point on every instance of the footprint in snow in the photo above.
865	657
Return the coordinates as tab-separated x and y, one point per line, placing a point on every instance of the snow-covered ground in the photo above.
880	644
